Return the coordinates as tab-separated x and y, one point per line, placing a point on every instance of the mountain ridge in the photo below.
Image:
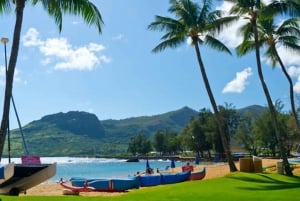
78	133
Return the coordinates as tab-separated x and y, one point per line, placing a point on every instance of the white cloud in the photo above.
31	38
237	85
64	56
294	71
118	37
76	22
230	35
288	57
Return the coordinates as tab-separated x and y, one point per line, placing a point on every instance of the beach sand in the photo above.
212	171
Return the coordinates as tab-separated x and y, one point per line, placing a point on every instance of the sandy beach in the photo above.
212	171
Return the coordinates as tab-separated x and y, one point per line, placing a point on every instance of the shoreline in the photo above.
212	171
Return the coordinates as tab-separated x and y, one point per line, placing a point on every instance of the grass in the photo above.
234	187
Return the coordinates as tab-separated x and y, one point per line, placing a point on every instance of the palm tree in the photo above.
252	10
287	34
198	24
55	8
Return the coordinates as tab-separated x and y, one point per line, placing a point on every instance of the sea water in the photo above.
68	167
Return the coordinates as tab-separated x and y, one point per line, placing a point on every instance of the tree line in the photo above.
253	133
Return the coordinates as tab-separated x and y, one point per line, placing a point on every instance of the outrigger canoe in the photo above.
76	189
161	179
79	184
198	175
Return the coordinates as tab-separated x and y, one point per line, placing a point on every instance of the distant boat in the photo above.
132	160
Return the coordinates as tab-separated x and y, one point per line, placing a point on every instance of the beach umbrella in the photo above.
197	160
147	165
172	163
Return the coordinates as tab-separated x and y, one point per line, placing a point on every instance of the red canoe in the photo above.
198	175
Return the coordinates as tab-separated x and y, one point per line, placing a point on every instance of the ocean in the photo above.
68	167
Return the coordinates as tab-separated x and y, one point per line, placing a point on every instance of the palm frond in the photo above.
216	44
169	43
288	7
185	10
165	24
291	46
246	31
84	8
204	12
289	27
245	47
5	7
220	24
271	55
288	39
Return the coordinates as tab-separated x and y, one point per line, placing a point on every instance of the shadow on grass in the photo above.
265	181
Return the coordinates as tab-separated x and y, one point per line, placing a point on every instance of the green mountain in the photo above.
255	110
148	125
80	133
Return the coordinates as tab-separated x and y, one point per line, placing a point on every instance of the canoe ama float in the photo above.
101	185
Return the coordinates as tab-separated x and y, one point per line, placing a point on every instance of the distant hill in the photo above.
80	133
148	125
255	110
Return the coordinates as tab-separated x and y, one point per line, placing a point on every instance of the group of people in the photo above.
184	168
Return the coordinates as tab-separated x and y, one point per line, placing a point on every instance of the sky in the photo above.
114	75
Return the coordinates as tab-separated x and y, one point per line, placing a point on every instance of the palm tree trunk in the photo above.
20	4
292	100
270	103
217	115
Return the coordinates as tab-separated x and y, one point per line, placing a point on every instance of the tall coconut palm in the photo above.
252	10
286	35
55	8
198	24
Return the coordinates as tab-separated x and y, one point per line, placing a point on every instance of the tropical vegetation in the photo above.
198	24
255	11
286	35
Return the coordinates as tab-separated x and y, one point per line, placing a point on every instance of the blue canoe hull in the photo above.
107	185
154	180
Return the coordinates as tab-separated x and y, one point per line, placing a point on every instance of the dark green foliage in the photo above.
166	142
139	145
197	135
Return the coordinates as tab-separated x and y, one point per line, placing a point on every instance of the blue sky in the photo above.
115	75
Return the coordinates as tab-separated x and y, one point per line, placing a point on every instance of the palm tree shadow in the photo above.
263	181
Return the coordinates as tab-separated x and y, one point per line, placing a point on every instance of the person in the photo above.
157	170
187	167
149	171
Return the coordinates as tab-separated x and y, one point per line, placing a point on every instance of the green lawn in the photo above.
234	187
